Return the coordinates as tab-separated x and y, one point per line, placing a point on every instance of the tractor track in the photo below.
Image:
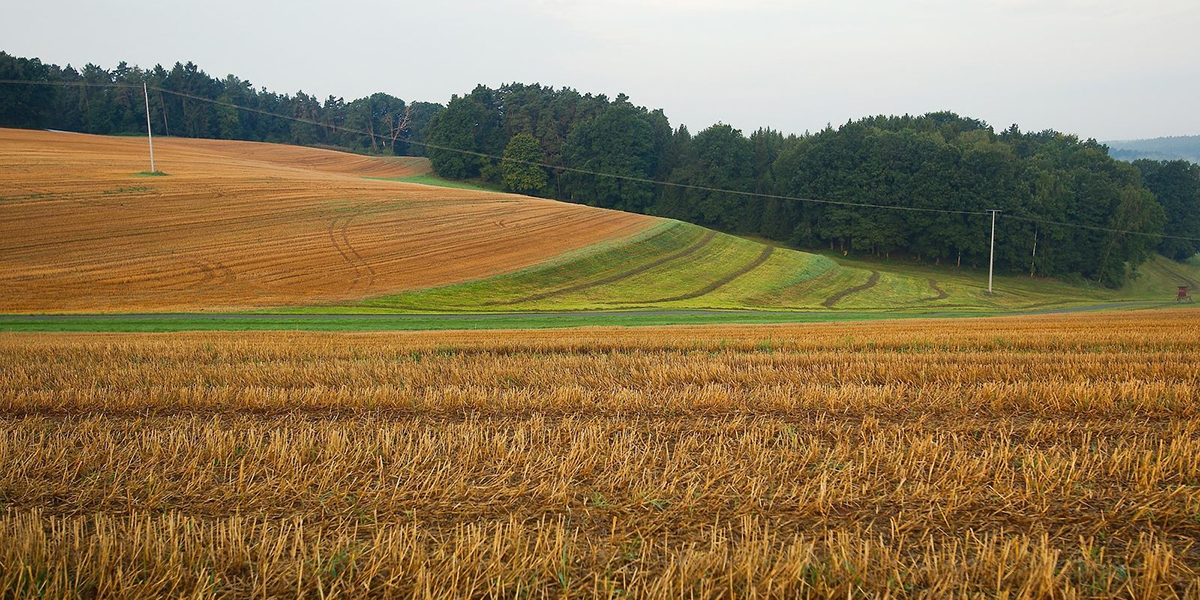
354	251
1173	273
690	250
718	284
941	294
210	273
838	297
339	237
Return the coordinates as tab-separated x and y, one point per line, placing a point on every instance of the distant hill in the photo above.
1186	147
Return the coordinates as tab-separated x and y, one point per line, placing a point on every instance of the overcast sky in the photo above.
1109	69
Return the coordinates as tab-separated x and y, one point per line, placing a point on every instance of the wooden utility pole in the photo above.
1033	260
149	136
992	255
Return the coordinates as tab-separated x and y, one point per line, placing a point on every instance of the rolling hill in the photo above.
239	225
243	226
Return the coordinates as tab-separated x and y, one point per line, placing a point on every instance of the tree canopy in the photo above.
194	104
520	169
1176	185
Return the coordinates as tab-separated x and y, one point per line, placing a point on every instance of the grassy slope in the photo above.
1156	281
679	266
435	181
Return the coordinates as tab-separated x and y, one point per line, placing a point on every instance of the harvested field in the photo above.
245	225
1022	457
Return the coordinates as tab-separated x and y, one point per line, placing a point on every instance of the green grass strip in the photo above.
434	180
149	323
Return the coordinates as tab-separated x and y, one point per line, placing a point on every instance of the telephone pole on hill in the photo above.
992	254
149	136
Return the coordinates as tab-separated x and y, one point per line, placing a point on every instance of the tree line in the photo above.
1066	203
102	101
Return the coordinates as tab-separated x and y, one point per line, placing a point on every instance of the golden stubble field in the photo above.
240	225
1030	457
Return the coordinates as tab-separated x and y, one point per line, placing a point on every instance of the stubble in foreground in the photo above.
1030	457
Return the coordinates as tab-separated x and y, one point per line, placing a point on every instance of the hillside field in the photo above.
1018	457
237	225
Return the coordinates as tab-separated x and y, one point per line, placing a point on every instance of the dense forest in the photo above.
111	102
1066	203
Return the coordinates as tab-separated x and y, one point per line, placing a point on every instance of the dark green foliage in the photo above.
946	163
25	106
467	123
718	157
380	115
390	123
619	141
519	169
1176	185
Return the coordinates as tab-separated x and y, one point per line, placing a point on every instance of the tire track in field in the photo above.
341	242
207	273
354	251
1173	273
690	250
226	274
714	286
838	297
941	294
212	274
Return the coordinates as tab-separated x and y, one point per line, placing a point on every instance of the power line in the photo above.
1110	230
572	169
563	168
71	83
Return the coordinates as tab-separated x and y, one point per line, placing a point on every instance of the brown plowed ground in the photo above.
239	225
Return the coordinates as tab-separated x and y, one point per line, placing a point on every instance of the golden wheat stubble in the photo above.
1035	457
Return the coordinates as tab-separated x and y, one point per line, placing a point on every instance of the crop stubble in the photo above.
1054	456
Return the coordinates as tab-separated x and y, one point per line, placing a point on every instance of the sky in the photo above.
1104	69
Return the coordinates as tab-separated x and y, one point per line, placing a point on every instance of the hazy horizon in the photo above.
1103	70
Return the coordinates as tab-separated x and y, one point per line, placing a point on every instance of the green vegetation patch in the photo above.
131	189
434	180
365	322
